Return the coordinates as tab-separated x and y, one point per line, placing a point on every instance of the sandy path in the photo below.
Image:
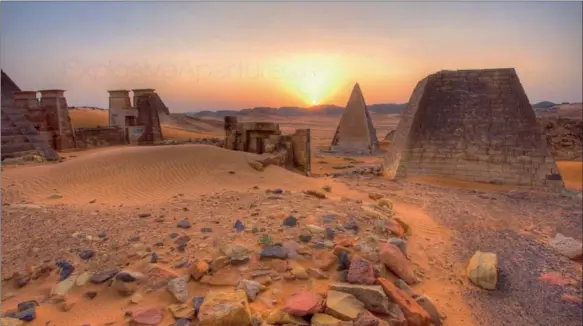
518	230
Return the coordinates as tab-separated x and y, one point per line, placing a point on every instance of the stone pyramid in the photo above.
355	132
475	125
19	136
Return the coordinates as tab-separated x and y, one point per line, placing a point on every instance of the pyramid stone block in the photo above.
355	132
474	125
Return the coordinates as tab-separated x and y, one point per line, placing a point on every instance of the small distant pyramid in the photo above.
355	132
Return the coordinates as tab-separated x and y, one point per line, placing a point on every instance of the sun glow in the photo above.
313	79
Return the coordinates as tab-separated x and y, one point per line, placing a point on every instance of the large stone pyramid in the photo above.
475	125
355	132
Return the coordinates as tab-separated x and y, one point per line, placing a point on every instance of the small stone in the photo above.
182	240
198	270
102	235
22	280
316	229
567	246
178	287
278	317
273	252
182	322
251	288
225	308
327	188
83	279
360	272
316	193
196	303
303	303
183	224
136	298
90	295
365	318
104	276
482	270
65	269
144	215
316	273
173	235
86	254
305	237
330	234
181	311
277	191
237	254
400	243
206	230
298	270
426	303
290	221
125	289
239	226
219	263
63	287
413	312
149	317
351	225
343	261
154	258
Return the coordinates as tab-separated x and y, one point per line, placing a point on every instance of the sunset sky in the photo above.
207	56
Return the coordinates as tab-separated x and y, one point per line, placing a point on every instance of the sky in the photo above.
234	55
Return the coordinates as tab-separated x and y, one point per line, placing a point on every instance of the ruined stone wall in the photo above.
57	112
148	118
289	151
474	125
100	137
564	137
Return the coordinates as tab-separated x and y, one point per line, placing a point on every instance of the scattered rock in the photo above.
183	224
414	313
83	279
395	261
298	270
199	269
219	263
360	272
273	252
90	295
400	243
225	308
239	226
65	269
63	287
365	318
567	246
11	322
482	270
316	193
290	221
197	303
327	320
178	287
278	317
251	288
372	296
181	311
427	304
125	289
136	298
343	306
303	303
104	276
144	215
149	317
237	254
327	188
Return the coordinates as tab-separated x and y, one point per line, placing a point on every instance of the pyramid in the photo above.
355	132
19	136
474	125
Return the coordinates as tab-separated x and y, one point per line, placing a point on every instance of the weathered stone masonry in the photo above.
289	151
475	125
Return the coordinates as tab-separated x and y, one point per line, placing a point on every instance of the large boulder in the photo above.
225	308
482	270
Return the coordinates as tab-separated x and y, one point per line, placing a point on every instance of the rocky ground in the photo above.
279	257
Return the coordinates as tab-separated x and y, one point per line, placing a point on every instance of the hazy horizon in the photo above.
236	55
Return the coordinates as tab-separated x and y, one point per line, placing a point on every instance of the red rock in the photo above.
393	258
366	318
554	278
147	317
198	270
344	241
395	228
303	303
414	313
360	272
571	298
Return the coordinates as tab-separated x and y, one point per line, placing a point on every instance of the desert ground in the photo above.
161	212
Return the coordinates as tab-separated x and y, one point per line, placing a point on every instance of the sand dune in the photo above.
136	175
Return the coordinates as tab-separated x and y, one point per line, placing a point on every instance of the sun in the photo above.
314	102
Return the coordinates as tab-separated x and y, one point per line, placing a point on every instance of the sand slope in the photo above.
146	174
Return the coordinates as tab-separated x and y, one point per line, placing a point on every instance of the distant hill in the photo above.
291	111
543	105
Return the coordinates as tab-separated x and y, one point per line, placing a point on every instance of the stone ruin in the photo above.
355	132
475	125
564	137
289	151
33	126
21	136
